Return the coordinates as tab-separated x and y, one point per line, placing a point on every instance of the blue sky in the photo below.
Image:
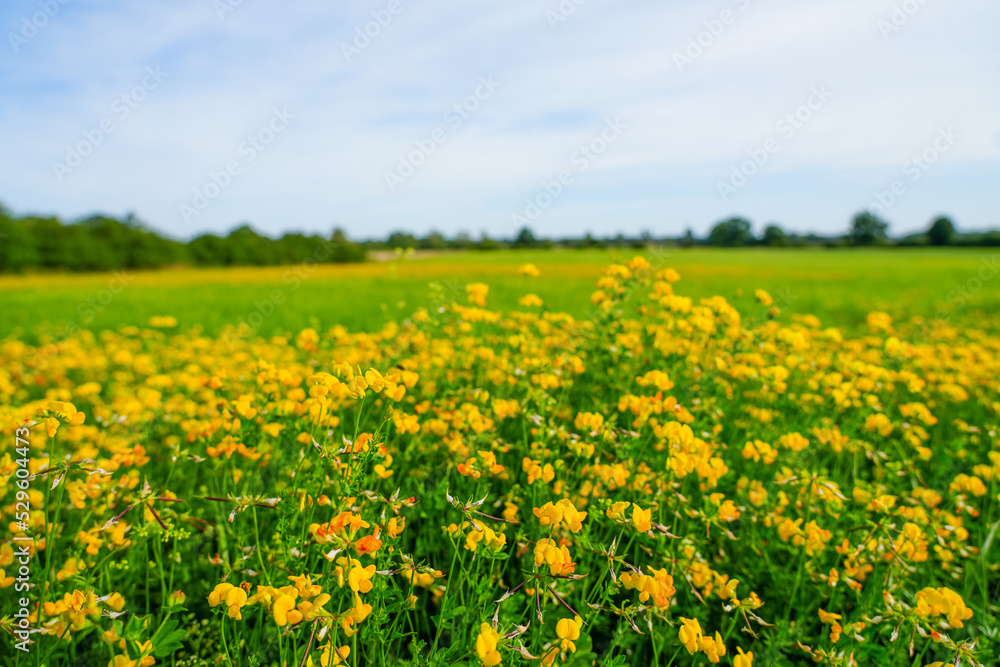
584	115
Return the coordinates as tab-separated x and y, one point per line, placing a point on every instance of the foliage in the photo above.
841	287
665	481
101	243
868	229
732	232
774	236
942	232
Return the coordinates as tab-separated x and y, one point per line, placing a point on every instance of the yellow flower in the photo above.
728	590
375	380
712	648
690	634
284	611
359	578
743	659
763	297
331	655
234	597
530	301
828	618
932	602
486	645
556	558
641	518
395	526
658	584
477	293
563	513
485	534
568	630
162	321
617	511
537	471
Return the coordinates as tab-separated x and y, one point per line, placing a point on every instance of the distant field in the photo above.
840	286
673	480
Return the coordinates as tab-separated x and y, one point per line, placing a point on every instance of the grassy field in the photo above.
839	286
665	478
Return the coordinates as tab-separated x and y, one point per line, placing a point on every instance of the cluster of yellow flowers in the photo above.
692	639
654	465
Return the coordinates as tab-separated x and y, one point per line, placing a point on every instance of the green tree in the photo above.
731	233
486	243
245	246
345	250
942	232
401	240
525	239
433	241
17	246
867	229
207	250
774	236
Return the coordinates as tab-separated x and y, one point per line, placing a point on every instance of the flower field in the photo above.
664	481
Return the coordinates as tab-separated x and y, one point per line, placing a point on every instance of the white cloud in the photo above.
687	129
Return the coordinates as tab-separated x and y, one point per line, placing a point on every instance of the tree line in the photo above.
103	243
866	229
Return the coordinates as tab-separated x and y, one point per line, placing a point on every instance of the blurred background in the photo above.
647	119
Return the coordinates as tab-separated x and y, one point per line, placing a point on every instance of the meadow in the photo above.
840	284
671	457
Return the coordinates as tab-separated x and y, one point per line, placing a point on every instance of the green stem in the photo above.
260	558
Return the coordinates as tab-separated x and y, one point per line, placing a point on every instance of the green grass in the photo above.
839	286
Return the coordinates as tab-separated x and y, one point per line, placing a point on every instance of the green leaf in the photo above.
168	639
